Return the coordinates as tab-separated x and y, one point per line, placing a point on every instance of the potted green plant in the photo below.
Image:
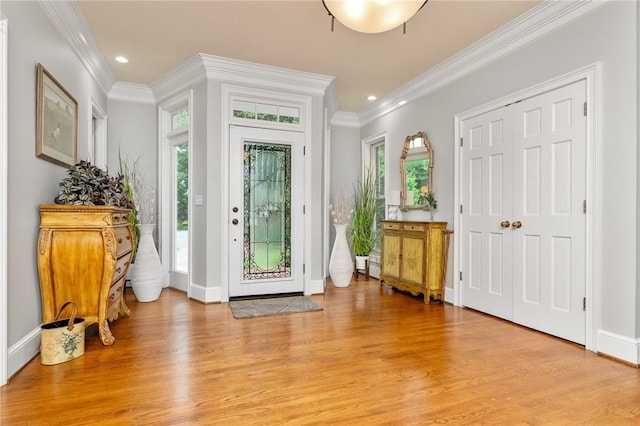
362	234
89	185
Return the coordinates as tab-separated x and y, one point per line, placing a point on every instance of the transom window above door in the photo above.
265	111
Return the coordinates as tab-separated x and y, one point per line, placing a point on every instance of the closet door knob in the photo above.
517	224
505	224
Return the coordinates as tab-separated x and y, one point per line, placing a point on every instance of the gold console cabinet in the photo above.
83	257
412	257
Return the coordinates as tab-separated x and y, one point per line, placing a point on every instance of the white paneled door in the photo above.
487	203
523	220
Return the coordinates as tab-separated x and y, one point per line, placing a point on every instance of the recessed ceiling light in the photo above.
122	59
371	98
402	103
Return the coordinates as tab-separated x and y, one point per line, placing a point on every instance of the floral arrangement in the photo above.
340	209
427	198
142	196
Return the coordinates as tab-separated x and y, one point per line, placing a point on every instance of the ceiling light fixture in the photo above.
372	16
122	59
371	98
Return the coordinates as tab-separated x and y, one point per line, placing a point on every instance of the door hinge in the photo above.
460	208
461	142
304	209
304	150
585	109
584	206
304	268
584	303
460	275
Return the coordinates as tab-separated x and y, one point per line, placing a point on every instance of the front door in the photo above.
266	218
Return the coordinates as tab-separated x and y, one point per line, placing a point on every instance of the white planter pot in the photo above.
340	264
361	262
146	279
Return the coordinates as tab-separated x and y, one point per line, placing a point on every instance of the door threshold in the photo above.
266	296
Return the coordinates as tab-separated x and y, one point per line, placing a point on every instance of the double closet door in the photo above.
523	212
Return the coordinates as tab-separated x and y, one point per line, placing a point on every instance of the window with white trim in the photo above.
274	112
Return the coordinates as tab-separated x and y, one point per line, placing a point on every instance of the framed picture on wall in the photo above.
56	121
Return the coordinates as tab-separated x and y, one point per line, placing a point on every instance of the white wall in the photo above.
345	160
33	181
132	133
606	35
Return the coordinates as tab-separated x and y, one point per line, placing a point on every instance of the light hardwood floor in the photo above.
372	356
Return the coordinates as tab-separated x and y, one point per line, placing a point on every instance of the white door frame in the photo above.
165	156
593	266
97	137
4	353
304	103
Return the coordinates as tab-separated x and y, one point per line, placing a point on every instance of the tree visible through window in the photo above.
377	160
182	187
180	119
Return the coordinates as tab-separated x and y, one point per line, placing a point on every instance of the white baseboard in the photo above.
178	286
205	294
620	347
448	295
23	351
317	287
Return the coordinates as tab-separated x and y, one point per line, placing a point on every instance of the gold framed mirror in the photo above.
416	165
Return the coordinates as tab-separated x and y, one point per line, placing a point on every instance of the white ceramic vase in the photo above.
147	277
340	264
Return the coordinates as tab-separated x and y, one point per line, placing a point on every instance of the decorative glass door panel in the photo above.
267	211
266	207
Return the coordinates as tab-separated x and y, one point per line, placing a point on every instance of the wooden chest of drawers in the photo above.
412	257
84	253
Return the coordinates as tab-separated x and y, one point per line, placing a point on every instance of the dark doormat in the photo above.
272	306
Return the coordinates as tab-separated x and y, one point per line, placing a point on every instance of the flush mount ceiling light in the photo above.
372	16
122	59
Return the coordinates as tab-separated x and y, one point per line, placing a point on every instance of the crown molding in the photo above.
271	77
203	66
534	24
345	119
331	99
70	23
131	92
186	75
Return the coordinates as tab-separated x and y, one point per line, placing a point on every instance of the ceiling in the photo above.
157	36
